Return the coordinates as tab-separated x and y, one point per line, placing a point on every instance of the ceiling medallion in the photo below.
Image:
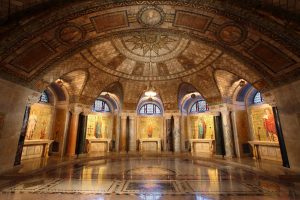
151	43
231	34
70	33
151	16
160	46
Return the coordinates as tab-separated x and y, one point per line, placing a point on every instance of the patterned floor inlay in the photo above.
149	179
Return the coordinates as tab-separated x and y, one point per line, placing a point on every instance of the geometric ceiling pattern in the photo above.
135	42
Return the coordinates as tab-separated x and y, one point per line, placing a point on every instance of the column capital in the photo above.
174	114
123	116
76	108
132	117
269	98
33	98
221	107
225	113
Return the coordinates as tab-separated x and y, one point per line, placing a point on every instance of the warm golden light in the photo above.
150	93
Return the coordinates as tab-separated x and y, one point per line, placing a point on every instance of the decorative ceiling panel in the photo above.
158	41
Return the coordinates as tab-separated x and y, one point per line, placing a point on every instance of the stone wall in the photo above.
288	103
12	106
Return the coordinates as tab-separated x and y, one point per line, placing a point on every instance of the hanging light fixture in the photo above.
150	92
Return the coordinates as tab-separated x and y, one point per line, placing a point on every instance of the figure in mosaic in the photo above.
31	126
201	128
269	124
98	129
150	131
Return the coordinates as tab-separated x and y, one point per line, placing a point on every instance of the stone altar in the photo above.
266	150
202	146
97	145
36	148
150	144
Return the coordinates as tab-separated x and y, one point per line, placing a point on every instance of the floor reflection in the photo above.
149	179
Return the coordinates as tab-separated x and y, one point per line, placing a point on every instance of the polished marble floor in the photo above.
149	178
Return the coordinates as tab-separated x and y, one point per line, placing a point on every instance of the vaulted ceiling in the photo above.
94	44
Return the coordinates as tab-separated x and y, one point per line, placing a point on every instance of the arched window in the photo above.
199	107
257	98
44	98
100	106
150	109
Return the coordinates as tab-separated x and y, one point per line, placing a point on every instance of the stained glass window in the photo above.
150	109
100	106
257	98
44	98
199	107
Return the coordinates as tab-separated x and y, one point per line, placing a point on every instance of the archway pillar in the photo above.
269	98
123	133
75	110
167	132
176	132
117	126
225	110
82	130
132	132
227	133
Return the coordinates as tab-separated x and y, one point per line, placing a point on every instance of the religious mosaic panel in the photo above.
202	126
150	127
263	123
99	126
40	122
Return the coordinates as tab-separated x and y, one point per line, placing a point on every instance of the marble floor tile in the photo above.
149	178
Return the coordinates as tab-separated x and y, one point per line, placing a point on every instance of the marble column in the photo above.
82	133
169	135
183	133
220	150
123	134
285	159
117	126
132	133
22	136
227	133
72	137
176	133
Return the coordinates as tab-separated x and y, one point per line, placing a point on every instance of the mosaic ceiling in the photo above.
135	42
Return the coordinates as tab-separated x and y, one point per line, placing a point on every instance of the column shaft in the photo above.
123	134
81	133
22	136
117	125
285	160
227	133
73	134
132	135
220	149
176	134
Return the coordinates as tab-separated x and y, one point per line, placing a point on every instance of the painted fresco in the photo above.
40	122
263	124
59	129
150	127
99	126
202	127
